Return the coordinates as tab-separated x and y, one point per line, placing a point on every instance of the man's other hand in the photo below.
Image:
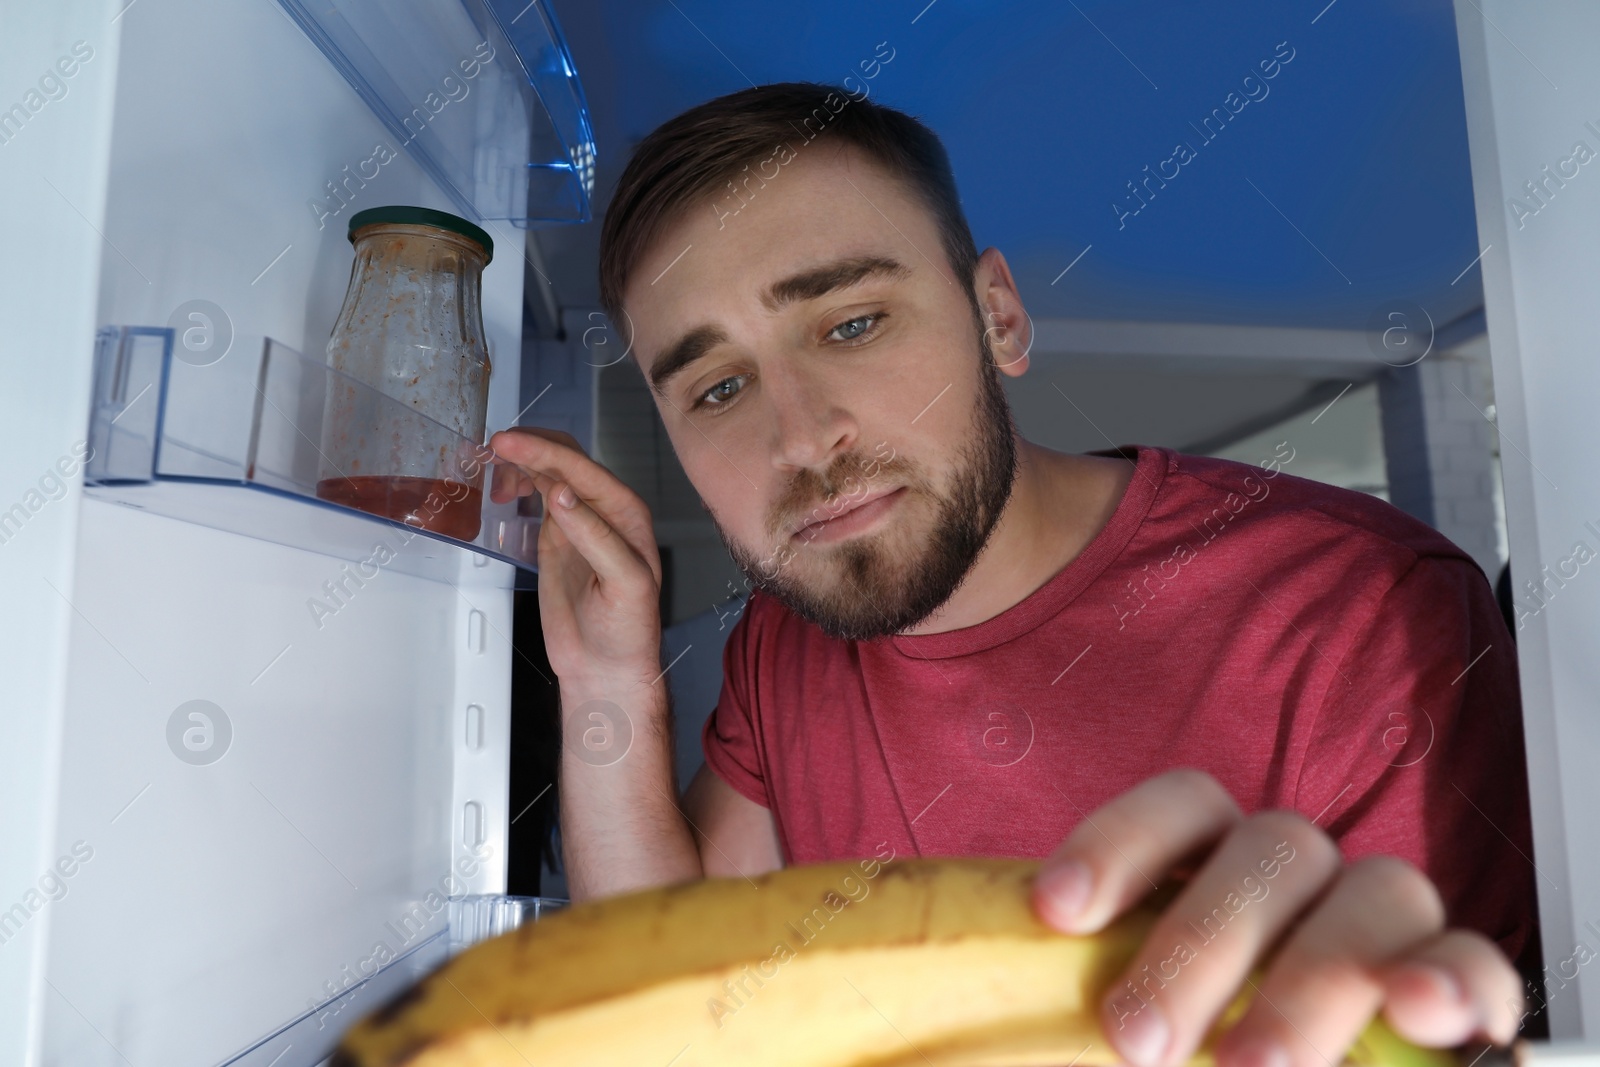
1346	940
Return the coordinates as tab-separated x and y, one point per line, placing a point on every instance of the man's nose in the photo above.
810	424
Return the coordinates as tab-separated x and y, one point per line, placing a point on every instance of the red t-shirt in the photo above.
1310	647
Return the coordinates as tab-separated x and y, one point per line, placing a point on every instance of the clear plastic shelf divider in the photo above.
125	412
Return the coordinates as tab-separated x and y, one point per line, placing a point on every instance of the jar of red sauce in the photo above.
403	423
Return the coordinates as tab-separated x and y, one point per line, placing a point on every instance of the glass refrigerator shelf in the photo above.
482	93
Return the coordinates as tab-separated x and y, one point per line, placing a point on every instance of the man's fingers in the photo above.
536	450
1456	987
546	433
1253	887
611	557
555	453
509	482
1326	983
548	457
512	449
1119	851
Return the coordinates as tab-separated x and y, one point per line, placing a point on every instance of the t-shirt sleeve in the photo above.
1417	750
731	737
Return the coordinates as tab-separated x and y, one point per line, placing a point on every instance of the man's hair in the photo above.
691	159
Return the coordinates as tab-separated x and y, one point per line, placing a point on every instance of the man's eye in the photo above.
720	393
853	330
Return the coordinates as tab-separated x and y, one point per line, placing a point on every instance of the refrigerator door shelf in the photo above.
237	444
481	93
476	918
470	919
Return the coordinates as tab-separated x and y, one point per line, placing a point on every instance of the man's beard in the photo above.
876	592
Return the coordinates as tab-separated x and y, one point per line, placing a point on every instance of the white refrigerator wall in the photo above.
52	186
1531	117
350	770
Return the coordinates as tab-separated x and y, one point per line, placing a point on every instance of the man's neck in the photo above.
1058	504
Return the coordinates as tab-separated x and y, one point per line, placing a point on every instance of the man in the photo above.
960	642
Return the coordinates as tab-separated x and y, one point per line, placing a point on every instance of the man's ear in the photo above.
1007	326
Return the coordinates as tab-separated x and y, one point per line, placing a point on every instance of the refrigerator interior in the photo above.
242	815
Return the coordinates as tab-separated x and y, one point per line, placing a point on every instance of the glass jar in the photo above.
411	329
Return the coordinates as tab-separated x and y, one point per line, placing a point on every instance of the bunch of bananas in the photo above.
929	962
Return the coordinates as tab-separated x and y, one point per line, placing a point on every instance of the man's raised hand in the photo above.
599	567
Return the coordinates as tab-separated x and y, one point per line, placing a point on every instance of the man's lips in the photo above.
826	517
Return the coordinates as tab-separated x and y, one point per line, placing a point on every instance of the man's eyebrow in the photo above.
688	348
819	281
806	285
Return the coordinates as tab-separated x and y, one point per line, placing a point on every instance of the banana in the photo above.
937	962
